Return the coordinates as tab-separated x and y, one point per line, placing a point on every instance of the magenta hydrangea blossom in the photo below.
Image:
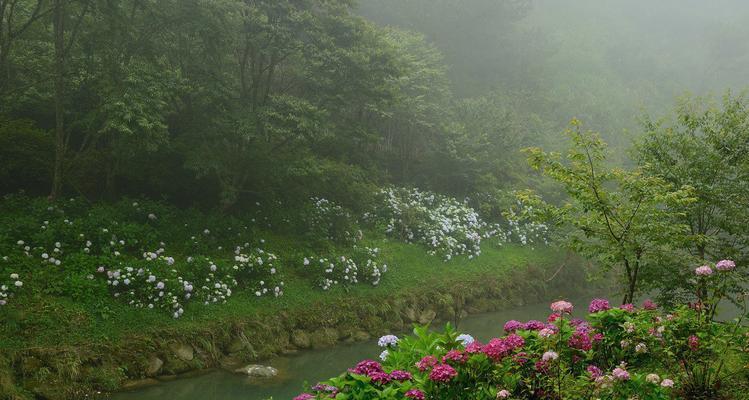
401	376
580	340
379	378
597	305
694	343
594	372
534	325
512	325
442	373
304	396
415	394
474	347
366	367
455	356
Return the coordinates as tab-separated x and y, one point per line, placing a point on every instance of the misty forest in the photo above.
374	199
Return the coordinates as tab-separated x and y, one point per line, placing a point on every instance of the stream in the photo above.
316	365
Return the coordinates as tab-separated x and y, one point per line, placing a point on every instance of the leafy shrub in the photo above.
362	265
329	221
617	353
64	246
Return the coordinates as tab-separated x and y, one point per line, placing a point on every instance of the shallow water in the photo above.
315	365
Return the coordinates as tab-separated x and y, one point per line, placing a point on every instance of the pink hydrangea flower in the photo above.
667	383
546	332
304	396
597	305
725	265
474	347
620	374
442	373
629	307
562	307
415	394
549	356
456	356
649	305
498	348
594	371
503	394
704	270
694	343
426	363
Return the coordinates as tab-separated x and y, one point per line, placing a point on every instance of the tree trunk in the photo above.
59	29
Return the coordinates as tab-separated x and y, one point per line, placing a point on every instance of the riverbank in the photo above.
80	353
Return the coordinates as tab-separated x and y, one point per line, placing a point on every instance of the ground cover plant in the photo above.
625	352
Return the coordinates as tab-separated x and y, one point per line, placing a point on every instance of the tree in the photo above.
16	17
707	148
625	220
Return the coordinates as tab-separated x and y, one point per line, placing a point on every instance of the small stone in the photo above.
257	371
154	366
427	316
184	352
300	338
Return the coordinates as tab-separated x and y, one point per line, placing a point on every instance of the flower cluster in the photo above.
363	265
157	282
616	353
8	289
329	221
446	226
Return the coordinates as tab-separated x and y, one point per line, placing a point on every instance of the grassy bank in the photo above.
65	335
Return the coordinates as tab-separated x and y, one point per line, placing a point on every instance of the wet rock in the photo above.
184	352
322	338
301	339
361	336
257	371
427	316
411	314
154	366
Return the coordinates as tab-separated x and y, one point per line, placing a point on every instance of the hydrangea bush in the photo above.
327	220
624	352
363	265
446	226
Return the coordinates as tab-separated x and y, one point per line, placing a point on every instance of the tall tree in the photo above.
624	220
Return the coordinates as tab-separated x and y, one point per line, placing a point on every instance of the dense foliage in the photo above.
621	352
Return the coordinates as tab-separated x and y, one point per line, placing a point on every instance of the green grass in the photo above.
59	321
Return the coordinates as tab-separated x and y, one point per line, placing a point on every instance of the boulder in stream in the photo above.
257	371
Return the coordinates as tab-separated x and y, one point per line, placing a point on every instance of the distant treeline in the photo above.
217	102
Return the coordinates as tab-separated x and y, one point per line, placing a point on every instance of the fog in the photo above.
606	62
